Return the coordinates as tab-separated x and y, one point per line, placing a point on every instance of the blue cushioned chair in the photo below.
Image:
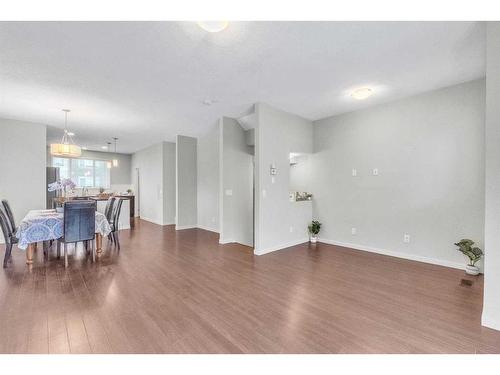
79	225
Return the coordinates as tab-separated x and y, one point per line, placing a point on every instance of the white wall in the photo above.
149	161
168	149
429	153
491	307
300	174
22	166
279	223
208	180
186	179
237	184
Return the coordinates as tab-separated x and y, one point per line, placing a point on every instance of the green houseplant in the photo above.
465	246
314	229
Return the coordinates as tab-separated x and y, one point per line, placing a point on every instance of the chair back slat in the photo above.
116	213
10	215
6	230
79	220
108	211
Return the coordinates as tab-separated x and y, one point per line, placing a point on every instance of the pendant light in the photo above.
108	164
115	161
67	147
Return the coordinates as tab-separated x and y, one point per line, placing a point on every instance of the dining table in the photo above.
45	225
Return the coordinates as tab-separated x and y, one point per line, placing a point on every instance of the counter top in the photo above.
97	198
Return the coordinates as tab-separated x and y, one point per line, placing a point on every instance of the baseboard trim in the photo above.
225	241
489	322
149	220
182	227
207	228
395	254
280	247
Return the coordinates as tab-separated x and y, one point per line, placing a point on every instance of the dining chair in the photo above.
78	225
108	212
109	208
114	223
9	237
10	215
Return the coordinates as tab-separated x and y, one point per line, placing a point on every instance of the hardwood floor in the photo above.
182	292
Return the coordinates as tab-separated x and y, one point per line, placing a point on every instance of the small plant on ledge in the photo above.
474	254
314	229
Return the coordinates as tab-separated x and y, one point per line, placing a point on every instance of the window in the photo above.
84	172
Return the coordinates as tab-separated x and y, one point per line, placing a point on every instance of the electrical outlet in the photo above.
291	229
353	231
213	219
406	238
354	172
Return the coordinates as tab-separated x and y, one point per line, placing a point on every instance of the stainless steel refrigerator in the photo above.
52	176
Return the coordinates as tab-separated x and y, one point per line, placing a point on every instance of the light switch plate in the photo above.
354	172
229	192
406	238
375	171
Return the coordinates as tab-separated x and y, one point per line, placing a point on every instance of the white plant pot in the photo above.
471	270
313	239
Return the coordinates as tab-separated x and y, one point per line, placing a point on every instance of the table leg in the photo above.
98	244
29	254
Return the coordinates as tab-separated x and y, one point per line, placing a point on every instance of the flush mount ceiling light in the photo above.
213	26
362	93
67	147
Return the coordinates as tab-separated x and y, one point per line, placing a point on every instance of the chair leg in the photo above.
117	239
65	255
8	250
110	236
58	245
92	244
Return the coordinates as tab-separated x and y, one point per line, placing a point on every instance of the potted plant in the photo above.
465	246
314	229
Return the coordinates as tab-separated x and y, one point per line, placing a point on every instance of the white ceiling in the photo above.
147	81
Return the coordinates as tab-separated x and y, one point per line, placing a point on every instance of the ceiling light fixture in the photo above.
213	26
108	163
115	161
67	147
362	93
